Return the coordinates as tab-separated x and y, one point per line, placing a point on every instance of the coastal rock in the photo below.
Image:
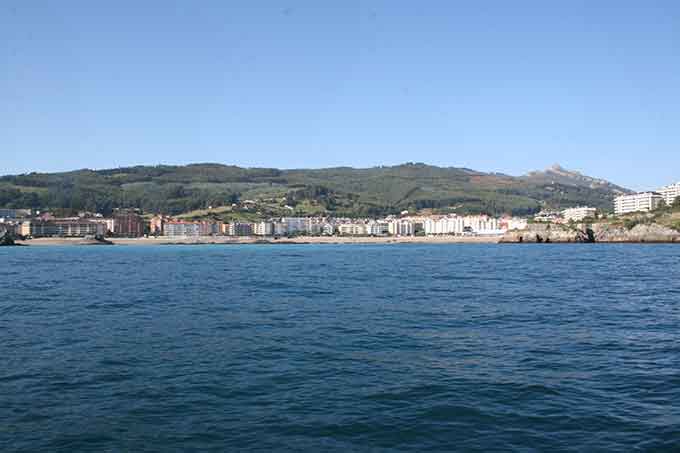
639	233
598	232
548	233
6	239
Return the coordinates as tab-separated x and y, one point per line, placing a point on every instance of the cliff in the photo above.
598	232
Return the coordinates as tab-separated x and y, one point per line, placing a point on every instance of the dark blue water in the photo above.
340	348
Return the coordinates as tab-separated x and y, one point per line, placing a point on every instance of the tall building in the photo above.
280	229
207	228
443	225
181	229
377	228
401	228
638	202
481	224
67	227
191	229
263	229
240	229
128	224
295	224
670	193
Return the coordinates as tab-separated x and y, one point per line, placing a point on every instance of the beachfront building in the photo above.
24	228
638	202
578	214
352	229
156	225
670	193
295	225
12	226
401	228
207	228
263	229
65	227
482	224
315	225
181	229
280	229
128	224
240	229
110	225
378	228
443	225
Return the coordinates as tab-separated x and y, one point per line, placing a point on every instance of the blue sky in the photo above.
491	85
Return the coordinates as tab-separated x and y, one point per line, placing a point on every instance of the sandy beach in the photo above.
226	240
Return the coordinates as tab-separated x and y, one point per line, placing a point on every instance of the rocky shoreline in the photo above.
592	233
226	240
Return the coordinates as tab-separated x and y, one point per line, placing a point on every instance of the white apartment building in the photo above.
644	201
182	229
263	229
482	224
280	229
670	193
377	228
578	214
295	224
444	225
352	229
401	228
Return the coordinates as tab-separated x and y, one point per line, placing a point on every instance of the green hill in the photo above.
337	191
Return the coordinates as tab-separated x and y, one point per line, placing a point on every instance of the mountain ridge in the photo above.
348	191
558	173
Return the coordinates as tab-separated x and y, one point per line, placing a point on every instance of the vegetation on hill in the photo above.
337	191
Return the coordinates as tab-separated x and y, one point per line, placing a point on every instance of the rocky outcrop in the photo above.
547	233
639	233
6	239
599	232
94	240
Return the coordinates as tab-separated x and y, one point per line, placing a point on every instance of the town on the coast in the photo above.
133	223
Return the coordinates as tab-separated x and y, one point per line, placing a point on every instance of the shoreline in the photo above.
265	241
309	240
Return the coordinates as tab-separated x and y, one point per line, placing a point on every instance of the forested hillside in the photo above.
335	191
